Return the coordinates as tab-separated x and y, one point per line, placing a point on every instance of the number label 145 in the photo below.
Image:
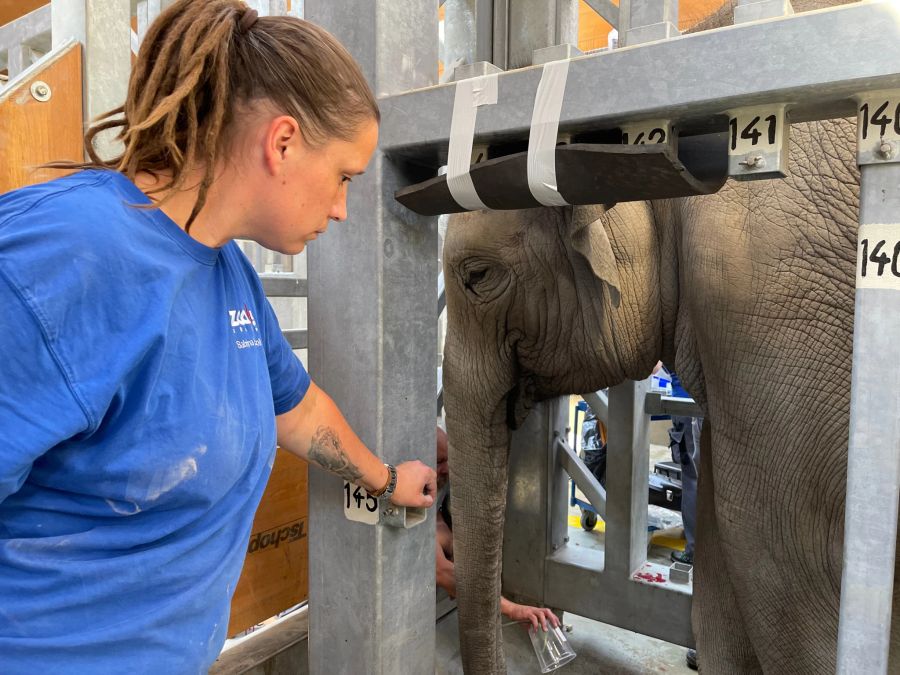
359	505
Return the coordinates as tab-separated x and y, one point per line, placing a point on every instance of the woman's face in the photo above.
308	187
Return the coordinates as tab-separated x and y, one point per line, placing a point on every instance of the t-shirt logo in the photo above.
242	319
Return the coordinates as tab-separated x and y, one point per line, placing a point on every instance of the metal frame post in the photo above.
536	505
627	462
103	29
873	468
756	10
535	25
539	567
647	20
372	588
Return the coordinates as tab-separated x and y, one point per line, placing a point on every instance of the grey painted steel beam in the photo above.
647	20
535	25
297	338
538	565
103	29
599	403
284	286
584	479
607	11
576	583
816	62
657	404
756	10
372	295
873	468
627	462
536	502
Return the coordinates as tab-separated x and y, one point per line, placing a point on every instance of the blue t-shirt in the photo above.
140	376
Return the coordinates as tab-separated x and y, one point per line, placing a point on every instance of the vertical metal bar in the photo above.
484	30
873	469
535	501
373	290
535	25
647	20
755	10
627	463
460	35
104	29
143	19
501	34
16	60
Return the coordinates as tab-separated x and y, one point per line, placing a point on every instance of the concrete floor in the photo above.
599	648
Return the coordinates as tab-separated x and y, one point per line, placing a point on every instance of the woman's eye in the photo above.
346	179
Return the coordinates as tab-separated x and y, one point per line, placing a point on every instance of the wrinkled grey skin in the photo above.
749	295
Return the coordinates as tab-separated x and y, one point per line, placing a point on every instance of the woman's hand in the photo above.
416	485
525	613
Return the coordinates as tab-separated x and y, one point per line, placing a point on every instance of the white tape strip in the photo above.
878	256
470	94
544	129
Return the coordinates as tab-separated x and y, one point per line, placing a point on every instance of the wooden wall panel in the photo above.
276	569
33	132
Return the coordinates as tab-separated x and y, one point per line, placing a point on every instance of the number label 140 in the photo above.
878	256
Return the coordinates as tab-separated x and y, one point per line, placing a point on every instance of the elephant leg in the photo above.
723	645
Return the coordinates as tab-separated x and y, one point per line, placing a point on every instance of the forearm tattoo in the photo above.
326	451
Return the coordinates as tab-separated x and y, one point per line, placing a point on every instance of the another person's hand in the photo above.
416	485
524	613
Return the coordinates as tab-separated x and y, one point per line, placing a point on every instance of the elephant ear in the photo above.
589	238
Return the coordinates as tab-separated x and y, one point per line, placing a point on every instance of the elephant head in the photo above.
540	302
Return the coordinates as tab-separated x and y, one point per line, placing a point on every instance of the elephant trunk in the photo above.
479	458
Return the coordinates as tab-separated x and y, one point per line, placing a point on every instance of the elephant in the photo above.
749	294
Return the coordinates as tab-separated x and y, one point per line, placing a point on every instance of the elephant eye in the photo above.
483	278
473	277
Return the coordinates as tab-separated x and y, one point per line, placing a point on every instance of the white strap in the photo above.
544	129
470	94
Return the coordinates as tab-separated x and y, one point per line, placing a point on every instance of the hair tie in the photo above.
247	20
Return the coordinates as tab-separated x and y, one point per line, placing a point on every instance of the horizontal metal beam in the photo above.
32	29
607	11
657	404
284	286
584	479
816	62
575	584
599	403
297	339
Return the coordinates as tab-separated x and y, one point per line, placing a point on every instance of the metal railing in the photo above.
24	41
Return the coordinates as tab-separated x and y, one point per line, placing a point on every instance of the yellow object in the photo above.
655	539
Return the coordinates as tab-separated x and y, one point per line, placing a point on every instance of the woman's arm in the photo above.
316	431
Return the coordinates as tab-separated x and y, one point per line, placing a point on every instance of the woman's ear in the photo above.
589	238
282	136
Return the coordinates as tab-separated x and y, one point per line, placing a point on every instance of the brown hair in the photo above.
200	61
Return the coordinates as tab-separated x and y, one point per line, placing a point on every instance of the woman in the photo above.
145	378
